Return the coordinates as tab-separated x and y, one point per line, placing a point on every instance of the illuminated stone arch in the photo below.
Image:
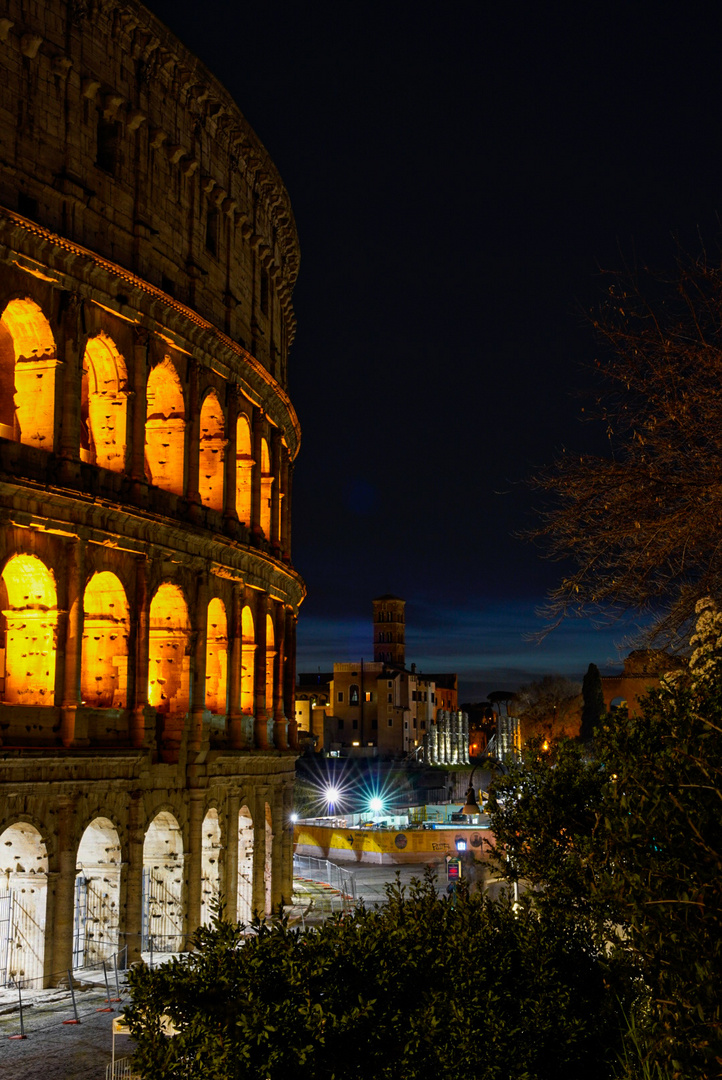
29	623
28	375
244	912
165	428
268	861
97	894
24	884
210	865
216	657
270	657
244	469
162	907
212	452
103	404
106	626
169	664
266	489
248	659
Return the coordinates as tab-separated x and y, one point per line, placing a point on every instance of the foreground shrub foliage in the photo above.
628	843
423	987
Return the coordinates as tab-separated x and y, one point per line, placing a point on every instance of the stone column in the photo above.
230	889
280	724
194	865
278	847
230	513
256	436
289	677
284	504
199	738
74	730
142	722
259	853
132	925
138	405
277	493
193	444
68	401
235	659
260	728
287	852
286	518
61	923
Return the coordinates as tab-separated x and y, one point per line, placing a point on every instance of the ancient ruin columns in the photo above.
289	677
235	655
230	890
62	898
280	724
259	852
193	865
132	925
261	727
70	697
143	717
138	410
257	437
277	852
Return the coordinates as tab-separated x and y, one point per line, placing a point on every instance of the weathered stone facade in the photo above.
148	602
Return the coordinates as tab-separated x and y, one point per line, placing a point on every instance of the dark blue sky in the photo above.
459	173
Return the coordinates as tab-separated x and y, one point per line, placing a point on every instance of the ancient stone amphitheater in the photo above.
148	602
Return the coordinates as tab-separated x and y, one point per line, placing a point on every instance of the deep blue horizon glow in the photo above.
488	648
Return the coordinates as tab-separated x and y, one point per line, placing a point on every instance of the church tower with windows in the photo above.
389	630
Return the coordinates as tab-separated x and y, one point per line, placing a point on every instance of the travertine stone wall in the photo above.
148	600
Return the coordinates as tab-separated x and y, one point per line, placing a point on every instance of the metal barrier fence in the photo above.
121	1069
327	872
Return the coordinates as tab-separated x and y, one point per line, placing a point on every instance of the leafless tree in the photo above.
643	525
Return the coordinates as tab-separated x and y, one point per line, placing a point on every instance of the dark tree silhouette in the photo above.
593	707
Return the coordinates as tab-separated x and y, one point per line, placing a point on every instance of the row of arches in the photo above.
225	482
100	927
28	635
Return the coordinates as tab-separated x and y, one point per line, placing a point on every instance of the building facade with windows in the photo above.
148	253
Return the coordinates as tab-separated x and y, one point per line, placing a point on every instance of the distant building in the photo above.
643	671
379	706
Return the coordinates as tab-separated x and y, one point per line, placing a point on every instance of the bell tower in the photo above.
389	630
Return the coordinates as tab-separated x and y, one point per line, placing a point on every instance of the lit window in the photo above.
353	694
367	696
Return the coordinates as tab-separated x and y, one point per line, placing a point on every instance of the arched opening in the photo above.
103	404
28	374
244	469
210	868
163	885
266	489
270	658
248	659
216	657
97	894
29	612
245	866
106	625
268	862
23	904
211	453
165	428
169	665
619	702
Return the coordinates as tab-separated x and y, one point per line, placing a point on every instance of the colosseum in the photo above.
148	254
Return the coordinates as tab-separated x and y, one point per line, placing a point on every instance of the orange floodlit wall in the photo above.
266	490
248	654
244	470
104	405
30	616
168	663
28	370
211	454
216	657
106	625
165	428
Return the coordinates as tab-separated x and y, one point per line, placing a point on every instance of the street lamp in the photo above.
332	795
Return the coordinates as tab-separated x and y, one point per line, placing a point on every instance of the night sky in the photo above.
460	173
